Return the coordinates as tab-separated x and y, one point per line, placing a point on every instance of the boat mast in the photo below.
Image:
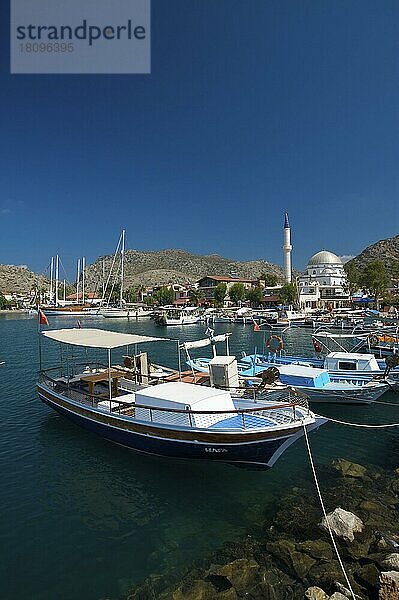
122	267
103	264
51	279
57	260
77	281
83	279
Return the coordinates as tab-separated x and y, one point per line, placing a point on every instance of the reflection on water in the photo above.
85	515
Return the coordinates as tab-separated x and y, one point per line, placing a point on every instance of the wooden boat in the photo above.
172	418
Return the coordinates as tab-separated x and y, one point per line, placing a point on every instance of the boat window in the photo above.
347	366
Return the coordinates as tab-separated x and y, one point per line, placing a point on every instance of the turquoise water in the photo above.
83	518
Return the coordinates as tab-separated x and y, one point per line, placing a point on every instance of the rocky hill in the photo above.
176	266
19	279
385	250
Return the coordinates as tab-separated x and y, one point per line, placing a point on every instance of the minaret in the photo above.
287	248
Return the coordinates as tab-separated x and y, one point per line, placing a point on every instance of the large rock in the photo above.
241	573
389	585
338	596
316	593
343	524
195	590
348	469
297	563
317	549
367	575
391	562
274	585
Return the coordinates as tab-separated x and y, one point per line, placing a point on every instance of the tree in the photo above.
220	294
4	304
237	293
131	295
115	293
164	296
196	296
270	279
254	296
375	279
352	277
288	294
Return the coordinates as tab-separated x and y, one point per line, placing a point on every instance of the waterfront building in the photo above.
209	283
323	285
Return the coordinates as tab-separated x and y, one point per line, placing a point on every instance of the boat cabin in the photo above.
183	396
342	361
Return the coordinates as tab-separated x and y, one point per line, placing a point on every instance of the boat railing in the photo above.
286	407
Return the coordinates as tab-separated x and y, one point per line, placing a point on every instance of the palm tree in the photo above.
196	296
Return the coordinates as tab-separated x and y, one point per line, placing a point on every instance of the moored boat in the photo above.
172	418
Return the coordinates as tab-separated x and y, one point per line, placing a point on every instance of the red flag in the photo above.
256	326
42	317
316	345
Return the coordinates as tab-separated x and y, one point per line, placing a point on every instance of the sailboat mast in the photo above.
51	278
122	267
77	281
103	279
83	279
57	261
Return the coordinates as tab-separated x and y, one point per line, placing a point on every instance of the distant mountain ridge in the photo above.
177	266
386	250
19	279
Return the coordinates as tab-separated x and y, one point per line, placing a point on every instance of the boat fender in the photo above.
275	343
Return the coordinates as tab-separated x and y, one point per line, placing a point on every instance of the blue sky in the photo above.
251	108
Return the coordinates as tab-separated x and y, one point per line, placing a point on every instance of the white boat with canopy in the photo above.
162	413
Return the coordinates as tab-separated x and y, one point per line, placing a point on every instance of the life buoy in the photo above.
275	343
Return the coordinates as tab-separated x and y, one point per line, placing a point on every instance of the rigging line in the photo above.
63	268
365	425
324	511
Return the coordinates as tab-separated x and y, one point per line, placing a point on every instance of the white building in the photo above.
323	285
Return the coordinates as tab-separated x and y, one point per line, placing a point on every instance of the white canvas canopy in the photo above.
97	338
205	342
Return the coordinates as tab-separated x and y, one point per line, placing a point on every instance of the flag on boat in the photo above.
43	320
256	325
316	345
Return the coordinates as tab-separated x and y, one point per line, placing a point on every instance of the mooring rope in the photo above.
366	425
325	513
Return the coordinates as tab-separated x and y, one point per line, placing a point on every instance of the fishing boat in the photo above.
167	416
316	382
338	364
189	315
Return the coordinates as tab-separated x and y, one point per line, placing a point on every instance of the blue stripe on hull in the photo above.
260	454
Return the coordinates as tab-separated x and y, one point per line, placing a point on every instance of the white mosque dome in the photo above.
324	258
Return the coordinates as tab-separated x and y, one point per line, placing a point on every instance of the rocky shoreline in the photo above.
291	556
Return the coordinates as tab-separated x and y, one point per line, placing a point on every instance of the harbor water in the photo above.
84	519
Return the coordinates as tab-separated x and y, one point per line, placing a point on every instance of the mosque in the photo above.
323	285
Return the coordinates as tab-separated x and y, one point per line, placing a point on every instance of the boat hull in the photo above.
258	450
